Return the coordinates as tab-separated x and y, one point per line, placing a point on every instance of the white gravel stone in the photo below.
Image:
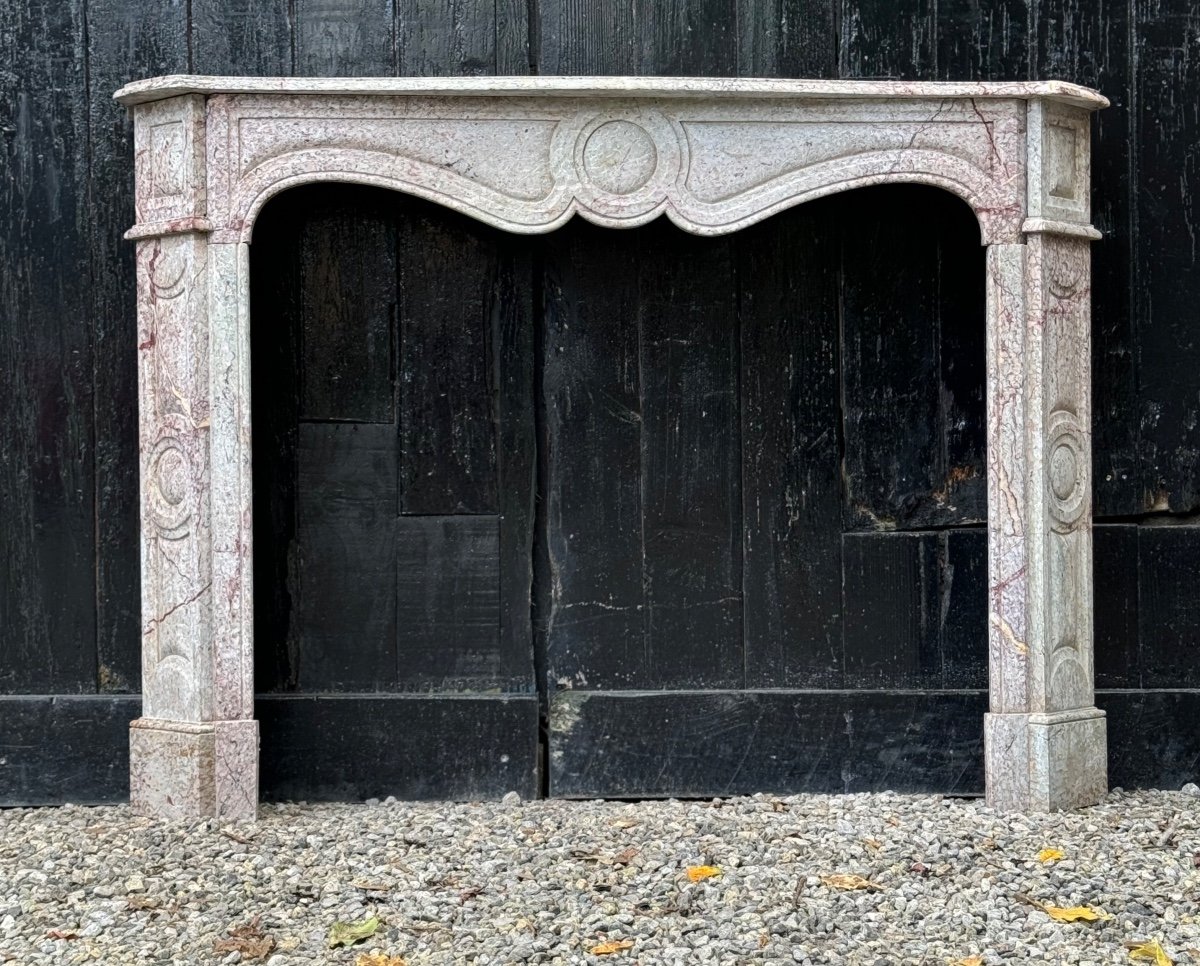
545	883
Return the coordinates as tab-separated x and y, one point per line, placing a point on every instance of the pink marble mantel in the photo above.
525	154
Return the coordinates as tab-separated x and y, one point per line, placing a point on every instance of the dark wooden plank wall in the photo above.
68	471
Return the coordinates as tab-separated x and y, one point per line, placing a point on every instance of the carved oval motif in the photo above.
619	157
1066	471
169	483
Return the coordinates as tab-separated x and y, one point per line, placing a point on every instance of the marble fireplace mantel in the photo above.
525	154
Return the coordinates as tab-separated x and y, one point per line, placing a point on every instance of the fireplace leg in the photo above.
1044	739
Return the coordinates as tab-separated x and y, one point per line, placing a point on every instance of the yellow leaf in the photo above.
1047	856
612	946
847	882
969	961
349	933
1152	951
1075	913
698	872
379	959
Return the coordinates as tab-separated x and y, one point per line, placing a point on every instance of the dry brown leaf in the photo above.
137	902
1151	950
61	934
248	939
969	961
379	959
697	873
371	886
612	946
1075	913
764	940
624	822
1049	856
848	881
625	856
874	844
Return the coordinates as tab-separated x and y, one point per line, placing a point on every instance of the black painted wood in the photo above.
710	743
788	283
352	747
347	306
138	38
912	361
68	469
448	275
48	632
56	749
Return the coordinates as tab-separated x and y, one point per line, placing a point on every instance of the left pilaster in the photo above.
193	753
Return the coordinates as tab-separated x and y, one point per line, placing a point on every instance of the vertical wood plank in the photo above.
447	276
791	471
962	607
448	603
787	38
913	428
346	536
344	38
1117	578
439	37
47	510
241	37
680	37
583	37
1089	43
888	39
1166	270
690	459
141	38
348	285
1168	606
891	610
595	609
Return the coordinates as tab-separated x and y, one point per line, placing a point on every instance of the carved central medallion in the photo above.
619	157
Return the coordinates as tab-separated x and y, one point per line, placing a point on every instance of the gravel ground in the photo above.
547	882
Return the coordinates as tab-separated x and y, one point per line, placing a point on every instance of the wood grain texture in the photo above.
344	38
715	743
48	634
347	305
1091	41
912	362
787	38
448	271
352	747
139	38
345	596
1166	275
788	287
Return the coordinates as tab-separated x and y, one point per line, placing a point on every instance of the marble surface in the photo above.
525	155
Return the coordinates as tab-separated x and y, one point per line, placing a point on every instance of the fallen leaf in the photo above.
764	940
469	893
1048	856
1194	953
379	959
920	868
624	822
625	856
778	806
969	961
349	933
1075	913
847	882
371	886
612	946
873	844
138	902
248	939
1151	950
699	872
61	934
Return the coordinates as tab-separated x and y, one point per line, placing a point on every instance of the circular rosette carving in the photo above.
624	164
1066	471
168	486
